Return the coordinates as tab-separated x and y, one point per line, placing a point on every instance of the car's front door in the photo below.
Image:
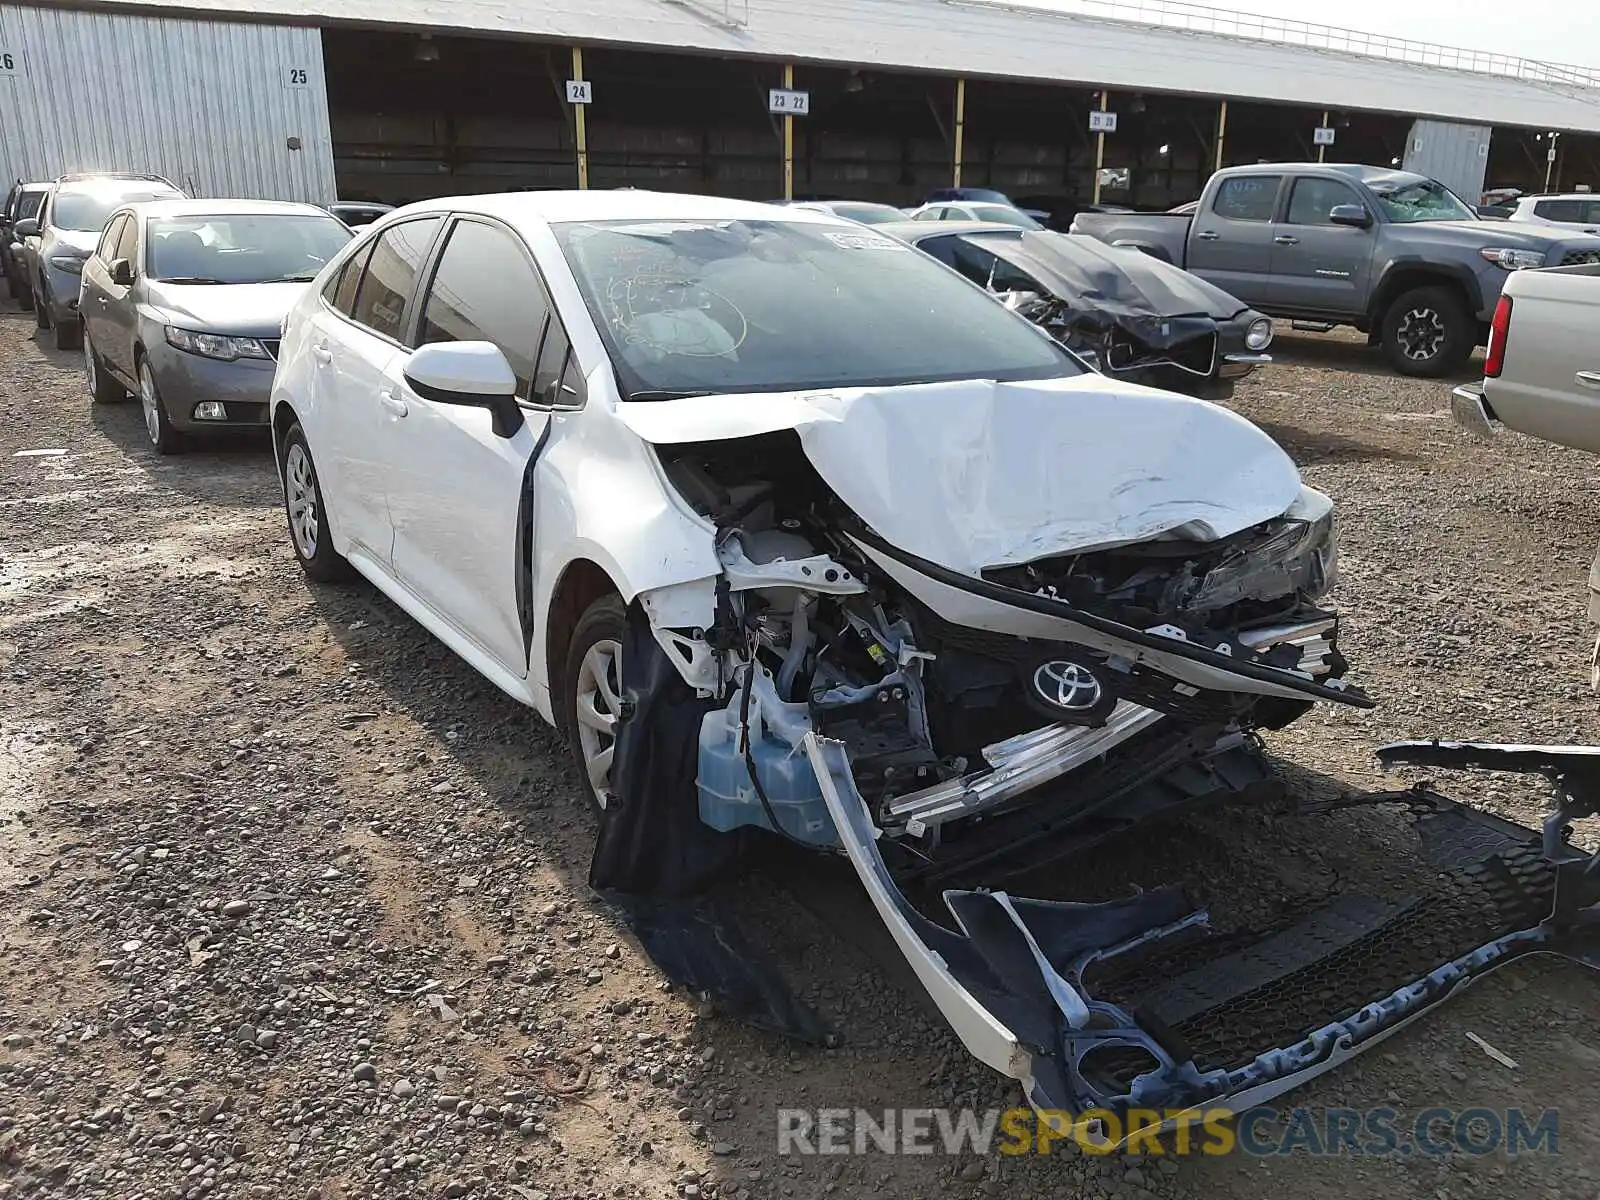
1317	266
355	341
120	309
1230	239
96	299
461	494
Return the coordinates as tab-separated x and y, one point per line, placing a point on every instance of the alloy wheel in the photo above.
300	492
599	702
1421	334
151	403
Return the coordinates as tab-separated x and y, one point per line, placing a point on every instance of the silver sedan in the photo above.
183	302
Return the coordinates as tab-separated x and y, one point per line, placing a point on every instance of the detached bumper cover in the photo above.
1471	411
1127	1004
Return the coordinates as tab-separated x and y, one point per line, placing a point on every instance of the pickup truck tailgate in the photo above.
1549	385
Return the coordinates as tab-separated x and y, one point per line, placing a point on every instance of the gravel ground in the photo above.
292	903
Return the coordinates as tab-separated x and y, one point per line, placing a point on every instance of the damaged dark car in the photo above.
1128	315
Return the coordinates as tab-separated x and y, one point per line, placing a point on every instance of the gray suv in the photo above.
64	235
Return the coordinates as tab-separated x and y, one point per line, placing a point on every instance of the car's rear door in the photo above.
95	299
355	341
461	494
1230	239
121	323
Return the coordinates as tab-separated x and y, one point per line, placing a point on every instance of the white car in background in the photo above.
793	529
974	210
1572	208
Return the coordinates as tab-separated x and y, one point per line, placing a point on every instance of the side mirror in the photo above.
474	374
122	273
26	228
1354	215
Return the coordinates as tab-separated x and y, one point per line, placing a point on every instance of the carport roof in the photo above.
969	37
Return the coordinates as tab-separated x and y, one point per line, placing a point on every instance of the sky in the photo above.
1565	31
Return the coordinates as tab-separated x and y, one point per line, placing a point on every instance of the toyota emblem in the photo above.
1067	685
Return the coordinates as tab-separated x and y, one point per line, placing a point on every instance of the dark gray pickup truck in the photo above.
1394	254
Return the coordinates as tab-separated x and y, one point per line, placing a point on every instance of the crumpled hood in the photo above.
1117	280
978	474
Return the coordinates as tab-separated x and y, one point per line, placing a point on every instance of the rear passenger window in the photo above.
1247	198
107	249
340	291
391	274
127	243
485	290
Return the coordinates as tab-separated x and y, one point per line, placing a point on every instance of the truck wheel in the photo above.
1427	332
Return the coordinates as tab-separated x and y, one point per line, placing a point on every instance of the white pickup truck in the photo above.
1542	372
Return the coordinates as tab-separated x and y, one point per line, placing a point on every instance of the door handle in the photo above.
1283	239
392	403
1589	379
1209	235
322	354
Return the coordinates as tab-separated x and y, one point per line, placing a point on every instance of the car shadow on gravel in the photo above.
231	469
1309	446
1349	353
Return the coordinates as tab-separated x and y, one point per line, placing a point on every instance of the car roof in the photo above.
160	209
375	205
620	205
110	177
1562	196
916	231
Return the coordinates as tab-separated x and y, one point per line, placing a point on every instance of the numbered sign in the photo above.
1102	122
10	62
580	91
297	77
1322	136
788	103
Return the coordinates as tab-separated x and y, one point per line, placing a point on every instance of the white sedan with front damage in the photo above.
797	534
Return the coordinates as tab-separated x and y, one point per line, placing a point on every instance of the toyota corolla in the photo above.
797	534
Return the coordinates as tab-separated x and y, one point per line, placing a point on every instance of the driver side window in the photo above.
127	243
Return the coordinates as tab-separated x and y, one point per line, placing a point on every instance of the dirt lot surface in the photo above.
292	904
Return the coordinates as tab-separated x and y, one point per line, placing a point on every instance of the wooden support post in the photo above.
1323	150
1222	134
579	128
788	137
1100	146
961	129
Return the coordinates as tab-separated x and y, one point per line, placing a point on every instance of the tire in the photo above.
69	334
13	287
25	297
103	386
596	643
1427	332
307	515
41	311
164	439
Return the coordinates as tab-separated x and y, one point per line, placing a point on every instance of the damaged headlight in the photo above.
1301	557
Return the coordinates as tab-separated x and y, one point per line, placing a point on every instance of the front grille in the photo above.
1573	257
271	346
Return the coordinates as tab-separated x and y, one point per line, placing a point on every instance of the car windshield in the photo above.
1001	214
693	307
1424	200
86	210
242	247
868	214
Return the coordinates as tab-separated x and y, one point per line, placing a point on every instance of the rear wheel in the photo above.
1427	332
308	516
591	694
41	310
103	387
69	334
24	295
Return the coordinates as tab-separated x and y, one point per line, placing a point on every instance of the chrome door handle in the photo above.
1284	239
322	354
1209	235
391	401
1589	379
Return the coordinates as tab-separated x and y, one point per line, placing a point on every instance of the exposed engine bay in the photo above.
812	635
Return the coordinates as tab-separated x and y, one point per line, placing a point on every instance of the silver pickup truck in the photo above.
1542	372
1394	254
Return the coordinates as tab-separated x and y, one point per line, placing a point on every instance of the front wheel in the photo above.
1427	332
164	439
591	694
41	310
69	334
308	515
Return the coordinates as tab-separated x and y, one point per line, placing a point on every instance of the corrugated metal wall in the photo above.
210	105
1455	155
